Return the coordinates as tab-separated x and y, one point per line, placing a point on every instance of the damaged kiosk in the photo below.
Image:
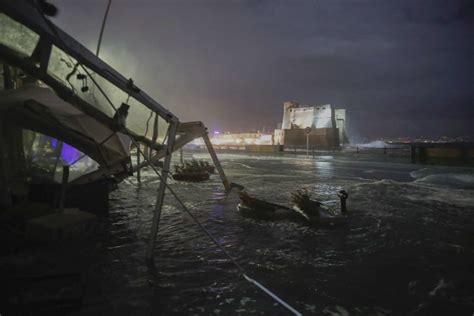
68	121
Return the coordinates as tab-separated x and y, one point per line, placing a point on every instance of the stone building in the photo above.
321	125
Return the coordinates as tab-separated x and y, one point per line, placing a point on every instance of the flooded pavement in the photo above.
407	246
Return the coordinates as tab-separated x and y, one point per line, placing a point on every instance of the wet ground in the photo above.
407	246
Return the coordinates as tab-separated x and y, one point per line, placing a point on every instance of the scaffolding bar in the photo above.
139	178
216	162
64	182
161	190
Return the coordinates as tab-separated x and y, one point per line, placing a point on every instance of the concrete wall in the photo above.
297	118
301	117
324	138
286	113
341	124
309	116
443	154
263	148
279	137
323	116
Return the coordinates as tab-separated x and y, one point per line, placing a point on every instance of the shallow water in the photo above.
406	247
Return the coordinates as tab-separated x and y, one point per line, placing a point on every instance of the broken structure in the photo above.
61	105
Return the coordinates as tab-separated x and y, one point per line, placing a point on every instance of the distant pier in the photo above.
458	153
454	154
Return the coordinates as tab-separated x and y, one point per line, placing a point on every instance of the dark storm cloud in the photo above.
458	11
400	68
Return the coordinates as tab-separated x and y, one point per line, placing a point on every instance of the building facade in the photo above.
321	126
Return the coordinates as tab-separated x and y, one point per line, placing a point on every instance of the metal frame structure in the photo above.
161	190
36	65
186	132
29	14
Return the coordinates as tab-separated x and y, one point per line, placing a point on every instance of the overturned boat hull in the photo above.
291	214
191	176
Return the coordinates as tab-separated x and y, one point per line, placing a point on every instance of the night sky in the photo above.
400	68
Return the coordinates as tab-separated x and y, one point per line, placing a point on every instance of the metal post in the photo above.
343	206
57	152
216	162
343	195
181	155
62	197
8	83
154	137
6	199
139	178
161	190
307	144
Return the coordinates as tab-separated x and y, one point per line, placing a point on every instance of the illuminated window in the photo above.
17	36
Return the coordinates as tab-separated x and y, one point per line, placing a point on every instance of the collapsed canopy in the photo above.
41	110
84	95
34	44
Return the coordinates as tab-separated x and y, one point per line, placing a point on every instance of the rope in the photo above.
214	240
270	293
148	122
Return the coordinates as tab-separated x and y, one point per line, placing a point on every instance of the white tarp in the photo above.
116	148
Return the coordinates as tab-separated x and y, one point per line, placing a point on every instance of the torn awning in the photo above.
41	110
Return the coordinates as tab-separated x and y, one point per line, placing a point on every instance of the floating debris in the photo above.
193	171
195	165
191	176
258	205
311	211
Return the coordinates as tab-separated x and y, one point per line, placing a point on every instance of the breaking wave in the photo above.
374	144
462	178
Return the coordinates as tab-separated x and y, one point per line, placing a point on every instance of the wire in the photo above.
148	122
270	293
104	20
52	27
214	240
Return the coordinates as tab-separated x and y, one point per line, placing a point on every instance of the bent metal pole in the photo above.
216	162
161	190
